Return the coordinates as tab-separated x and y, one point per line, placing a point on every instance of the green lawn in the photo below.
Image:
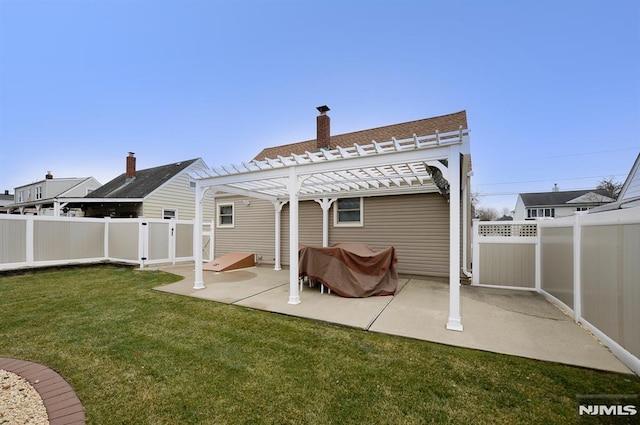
137	356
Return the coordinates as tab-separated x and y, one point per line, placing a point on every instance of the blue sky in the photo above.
551	88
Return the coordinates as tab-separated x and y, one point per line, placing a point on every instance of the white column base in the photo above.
198	285
455	324
277	268
294	300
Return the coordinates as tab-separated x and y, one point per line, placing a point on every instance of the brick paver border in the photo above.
62	404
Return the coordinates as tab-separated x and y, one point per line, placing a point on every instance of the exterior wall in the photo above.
416	225
253	231
82	189
176	194
633	189
520	213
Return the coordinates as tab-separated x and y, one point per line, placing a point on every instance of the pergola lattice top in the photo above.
324	173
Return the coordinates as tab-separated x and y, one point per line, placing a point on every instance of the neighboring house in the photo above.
44	197
531	206
159	192
629	196
414	219
5	199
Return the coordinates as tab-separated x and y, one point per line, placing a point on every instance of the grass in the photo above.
137	356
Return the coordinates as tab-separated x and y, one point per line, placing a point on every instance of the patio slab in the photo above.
512	322
519	323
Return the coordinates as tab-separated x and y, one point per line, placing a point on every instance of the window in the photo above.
21	196
168	214
38	192
541	212
582	209
192	184
225	215
348	212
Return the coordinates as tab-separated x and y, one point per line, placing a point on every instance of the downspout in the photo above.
465	226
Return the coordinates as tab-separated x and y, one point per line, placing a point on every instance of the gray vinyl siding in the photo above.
416	225
633	190
177	195
253	231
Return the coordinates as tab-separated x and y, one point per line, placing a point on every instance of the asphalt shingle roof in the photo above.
145	181
556	198
442	124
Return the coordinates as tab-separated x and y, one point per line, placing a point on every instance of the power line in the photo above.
595	152
552	180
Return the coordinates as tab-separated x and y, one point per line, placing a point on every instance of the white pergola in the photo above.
421	164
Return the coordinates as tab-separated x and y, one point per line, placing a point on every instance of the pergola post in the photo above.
454	322
197	236
277	205
293	188
325	204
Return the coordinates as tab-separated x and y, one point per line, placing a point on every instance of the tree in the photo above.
487	213
612	188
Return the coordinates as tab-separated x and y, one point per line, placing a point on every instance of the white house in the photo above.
531	206
165	191
43	196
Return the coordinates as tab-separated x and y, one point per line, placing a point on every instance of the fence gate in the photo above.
505	254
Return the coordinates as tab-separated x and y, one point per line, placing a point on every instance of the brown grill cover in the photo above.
351	270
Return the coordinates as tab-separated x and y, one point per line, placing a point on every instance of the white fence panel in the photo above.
32	241
586	263
504	254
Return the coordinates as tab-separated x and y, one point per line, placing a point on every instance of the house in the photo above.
165	191
404	185
556	203
6	198
629	196
44	197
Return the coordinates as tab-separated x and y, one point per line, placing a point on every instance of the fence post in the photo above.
475	260
538	258
577	248
143	242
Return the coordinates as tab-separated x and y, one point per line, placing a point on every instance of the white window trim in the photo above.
233	215
175	210
350	223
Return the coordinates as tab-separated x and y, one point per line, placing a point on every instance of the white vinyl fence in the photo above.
33	241
587	263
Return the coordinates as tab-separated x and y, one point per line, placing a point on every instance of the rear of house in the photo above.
416	224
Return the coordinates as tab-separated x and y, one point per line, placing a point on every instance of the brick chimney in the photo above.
48	176
324	128
131	165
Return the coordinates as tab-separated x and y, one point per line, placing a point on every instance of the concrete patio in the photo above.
519	323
